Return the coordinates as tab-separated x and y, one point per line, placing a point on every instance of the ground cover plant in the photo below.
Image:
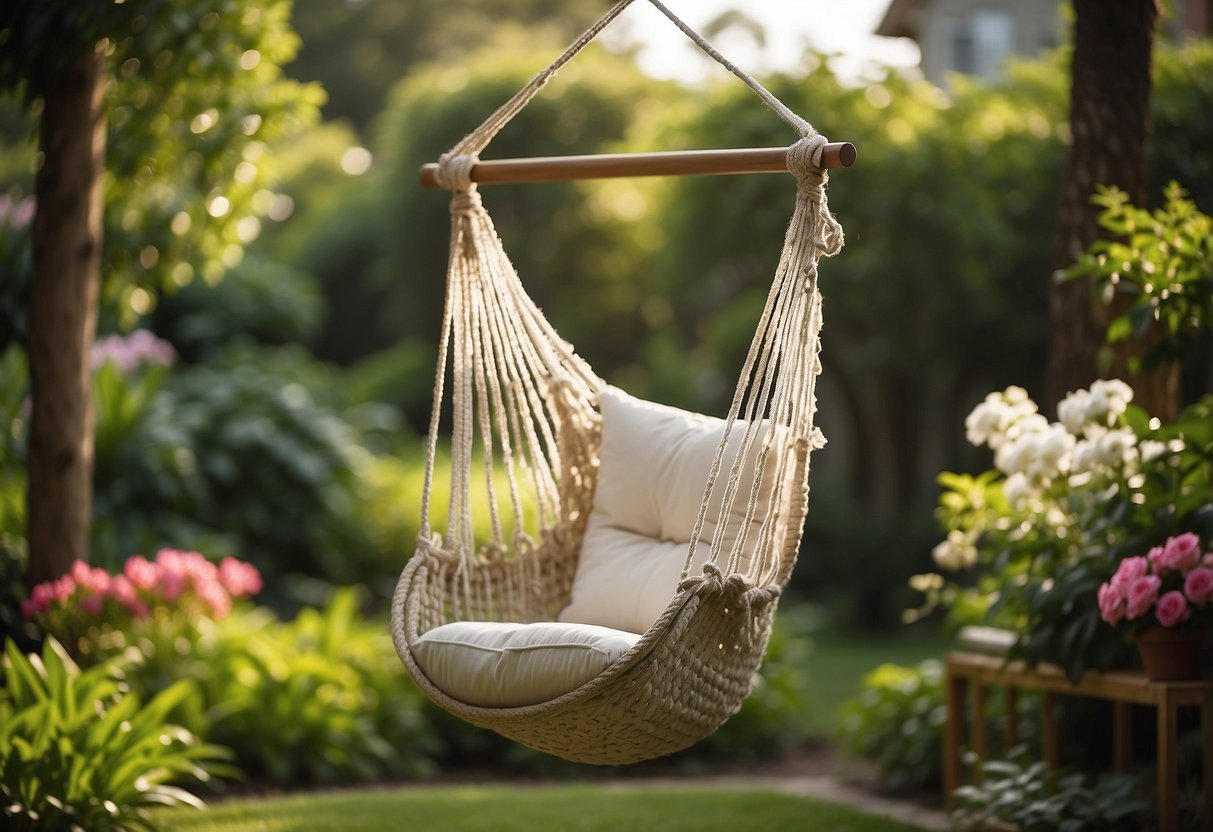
79	752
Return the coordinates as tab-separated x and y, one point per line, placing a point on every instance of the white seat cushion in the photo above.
496	665
654	465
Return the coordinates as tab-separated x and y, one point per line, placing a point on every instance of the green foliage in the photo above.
320	699
258	302
897	723
1182	132
16	213
1162	261
242	460
13	551
78	753
1034	799
196	100
394	37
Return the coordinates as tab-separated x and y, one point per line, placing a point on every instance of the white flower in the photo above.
983	422
1151	449
1017	395
1115	393
1056	445
996	416
1072	411
1016	489
1117	449
1085	459
955	553
1022	448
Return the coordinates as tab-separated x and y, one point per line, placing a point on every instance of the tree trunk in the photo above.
64	294
1110	125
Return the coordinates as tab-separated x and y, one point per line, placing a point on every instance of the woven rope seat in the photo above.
563	464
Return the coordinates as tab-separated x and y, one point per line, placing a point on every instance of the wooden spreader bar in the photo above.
614	165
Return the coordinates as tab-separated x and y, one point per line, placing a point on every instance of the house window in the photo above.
981	42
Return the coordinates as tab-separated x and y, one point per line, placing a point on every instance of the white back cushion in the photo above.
654	465
497	665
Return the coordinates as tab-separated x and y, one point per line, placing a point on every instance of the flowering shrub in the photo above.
1065	503
94	612
1174	581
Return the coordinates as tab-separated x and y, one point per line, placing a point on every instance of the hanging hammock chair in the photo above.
621	607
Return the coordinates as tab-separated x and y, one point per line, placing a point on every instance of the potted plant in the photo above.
1163	600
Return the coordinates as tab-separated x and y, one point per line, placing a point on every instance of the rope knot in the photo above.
805	155
455	174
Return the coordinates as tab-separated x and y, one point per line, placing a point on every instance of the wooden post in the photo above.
953	735
1122	737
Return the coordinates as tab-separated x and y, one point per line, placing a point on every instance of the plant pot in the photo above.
1171	655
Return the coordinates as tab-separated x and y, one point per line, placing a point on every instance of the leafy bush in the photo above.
897	722
240	459
1162	261
258	301
1035	799
78	753
320	699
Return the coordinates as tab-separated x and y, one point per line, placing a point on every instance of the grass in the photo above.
843	659
579	808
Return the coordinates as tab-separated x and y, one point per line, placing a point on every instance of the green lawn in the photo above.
841	659
580	808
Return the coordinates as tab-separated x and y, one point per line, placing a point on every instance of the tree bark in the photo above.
64	294
1110	126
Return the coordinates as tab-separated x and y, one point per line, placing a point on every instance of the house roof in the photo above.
901	19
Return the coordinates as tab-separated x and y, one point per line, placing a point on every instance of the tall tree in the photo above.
1109	127
185	178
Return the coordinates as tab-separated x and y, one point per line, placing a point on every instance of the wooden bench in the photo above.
978	673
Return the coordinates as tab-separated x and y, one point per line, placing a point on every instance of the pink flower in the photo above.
141	572
80	572
92	604
1172	609
137	608
1198	585
1182	552
1155	557
29	608
1142	593
1111	604
215	597
1208	560
63	589
122	590
41	597
172	586
239	578
1129	570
